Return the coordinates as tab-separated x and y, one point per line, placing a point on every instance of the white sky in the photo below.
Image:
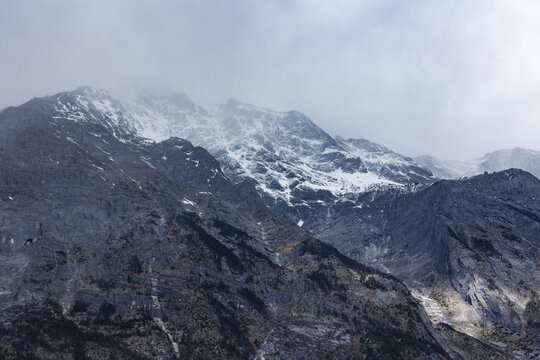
455	79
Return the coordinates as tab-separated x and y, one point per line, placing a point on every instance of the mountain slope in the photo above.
381	160
124	248
469	249
525	159
284	152
294	166
298	169
394	221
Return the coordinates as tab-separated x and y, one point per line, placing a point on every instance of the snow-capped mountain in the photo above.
115	247
284	152
78	170
519	158
290	159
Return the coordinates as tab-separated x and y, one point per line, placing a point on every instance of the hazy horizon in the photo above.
454	80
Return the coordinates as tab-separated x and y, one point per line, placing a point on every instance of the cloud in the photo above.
453	78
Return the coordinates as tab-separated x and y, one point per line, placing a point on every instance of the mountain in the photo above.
528	160
284	152
113	226
115	246
357	196
299	170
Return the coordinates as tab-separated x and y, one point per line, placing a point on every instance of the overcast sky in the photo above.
455	79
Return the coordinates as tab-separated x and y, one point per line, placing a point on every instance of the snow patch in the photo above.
189	202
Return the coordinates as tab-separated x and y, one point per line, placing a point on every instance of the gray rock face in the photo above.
112	246
468	249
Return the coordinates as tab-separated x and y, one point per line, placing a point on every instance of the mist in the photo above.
454	79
